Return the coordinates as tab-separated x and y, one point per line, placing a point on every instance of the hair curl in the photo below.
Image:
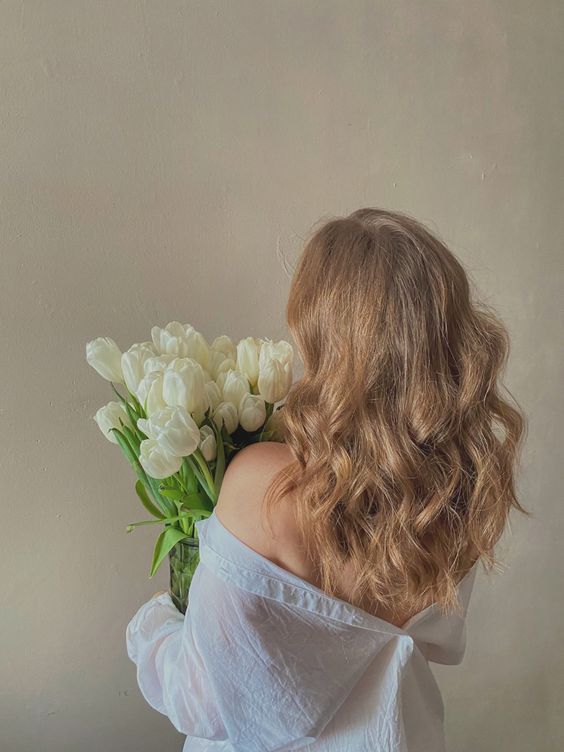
404	449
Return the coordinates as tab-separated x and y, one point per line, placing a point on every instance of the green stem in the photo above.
130	527
205	472
201	479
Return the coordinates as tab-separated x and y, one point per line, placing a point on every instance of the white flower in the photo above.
158	363
157	462
219	362
235	386
197	348
171	340
275	370
104	356
224	344
248	358
275	425
214	393
226	414
252	412
107	417
174	429
184	384
208	443
150	392
133	364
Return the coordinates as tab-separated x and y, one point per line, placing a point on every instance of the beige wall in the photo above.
158	161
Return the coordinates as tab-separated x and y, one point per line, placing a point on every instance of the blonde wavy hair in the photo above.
405	450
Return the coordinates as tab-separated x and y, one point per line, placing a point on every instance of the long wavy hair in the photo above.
404	448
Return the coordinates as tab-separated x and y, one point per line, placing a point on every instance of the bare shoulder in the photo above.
244	486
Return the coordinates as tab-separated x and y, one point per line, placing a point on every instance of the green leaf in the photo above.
165	542
189	476
132	415
134	441
197	502
146	501
172	493
220	463
127	450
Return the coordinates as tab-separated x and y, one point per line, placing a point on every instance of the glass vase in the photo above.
184	558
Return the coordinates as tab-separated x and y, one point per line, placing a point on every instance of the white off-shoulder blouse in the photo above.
264	661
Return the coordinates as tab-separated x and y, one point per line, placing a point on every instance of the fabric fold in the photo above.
264	661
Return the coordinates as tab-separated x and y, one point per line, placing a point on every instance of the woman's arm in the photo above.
170	670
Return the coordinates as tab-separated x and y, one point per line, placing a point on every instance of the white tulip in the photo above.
235	386
108	417
275	425
208	443
226	414
197	348
104	356
158	363
157	462
275	370
248	358
224	367
184	384
280	350
214	393
217	362
171	340
207	375
252	412
174	429
150	392
224	344
133	364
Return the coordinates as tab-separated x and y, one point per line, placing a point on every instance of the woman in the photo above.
339	563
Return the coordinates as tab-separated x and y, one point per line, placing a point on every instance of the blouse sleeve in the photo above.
170	669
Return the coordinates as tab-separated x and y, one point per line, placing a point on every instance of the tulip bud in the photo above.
208	443
104	356
252	412
174	429
248	358
275	370
226	365
226	414
235	386
133	364
150	392
275	426
197	348
224	344
108	417
158	363
274	381
171	340
214	394
156	461
184	385
218	362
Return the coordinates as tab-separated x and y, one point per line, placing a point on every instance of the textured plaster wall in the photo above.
159	161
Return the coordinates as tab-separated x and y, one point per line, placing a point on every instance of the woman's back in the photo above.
239	508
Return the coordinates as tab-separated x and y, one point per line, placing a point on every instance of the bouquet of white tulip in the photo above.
189	407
